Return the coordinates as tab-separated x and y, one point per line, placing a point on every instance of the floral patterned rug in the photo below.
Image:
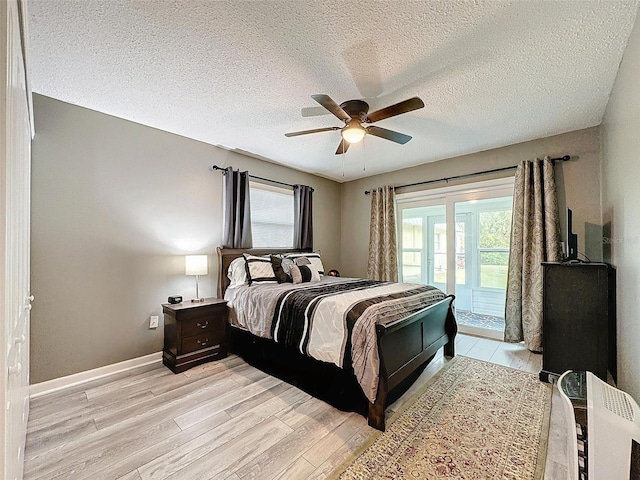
473	420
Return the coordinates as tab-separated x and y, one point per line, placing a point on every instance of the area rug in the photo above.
473	420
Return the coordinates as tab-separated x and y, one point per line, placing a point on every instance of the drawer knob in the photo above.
203	325
203	343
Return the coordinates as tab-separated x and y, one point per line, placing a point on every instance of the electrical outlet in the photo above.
153	321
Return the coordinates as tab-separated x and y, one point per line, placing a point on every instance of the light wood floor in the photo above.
222	420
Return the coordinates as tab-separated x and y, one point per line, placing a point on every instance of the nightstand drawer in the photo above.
206	323
197	325
205	340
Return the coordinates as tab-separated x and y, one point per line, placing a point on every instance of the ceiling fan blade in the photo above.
343	147
392	110
388	134
316	130
327	102
314	111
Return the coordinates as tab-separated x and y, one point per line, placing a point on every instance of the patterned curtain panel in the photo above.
237	211
534	239
383	256
303	216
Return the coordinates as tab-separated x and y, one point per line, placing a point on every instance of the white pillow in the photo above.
259	269
237	272
303	271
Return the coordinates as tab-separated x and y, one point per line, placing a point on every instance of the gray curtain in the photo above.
303	216
534	239
383	256
237	211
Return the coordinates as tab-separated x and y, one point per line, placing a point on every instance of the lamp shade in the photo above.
195	265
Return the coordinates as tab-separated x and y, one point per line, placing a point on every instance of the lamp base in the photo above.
197	300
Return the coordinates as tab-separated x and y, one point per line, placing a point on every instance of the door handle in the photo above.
15	369
30	298
28	307
20	339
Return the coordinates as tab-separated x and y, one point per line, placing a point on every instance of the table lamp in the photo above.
196	265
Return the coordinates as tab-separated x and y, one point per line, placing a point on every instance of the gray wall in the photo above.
621	204
115	207
578	187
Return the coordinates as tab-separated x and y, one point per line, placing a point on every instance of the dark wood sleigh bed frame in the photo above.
405	348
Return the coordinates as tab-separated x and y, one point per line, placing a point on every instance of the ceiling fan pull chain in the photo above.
364	153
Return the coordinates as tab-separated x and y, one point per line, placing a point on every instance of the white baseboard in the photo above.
50	386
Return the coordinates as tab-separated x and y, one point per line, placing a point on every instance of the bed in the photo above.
367	381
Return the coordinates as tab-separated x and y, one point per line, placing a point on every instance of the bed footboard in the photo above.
406	346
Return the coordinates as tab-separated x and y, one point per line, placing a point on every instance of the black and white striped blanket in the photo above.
300	321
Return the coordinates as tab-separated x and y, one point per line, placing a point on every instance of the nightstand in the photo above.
194	333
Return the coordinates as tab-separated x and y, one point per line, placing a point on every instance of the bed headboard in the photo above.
227	255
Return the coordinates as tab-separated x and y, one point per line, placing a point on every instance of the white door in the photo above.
15	300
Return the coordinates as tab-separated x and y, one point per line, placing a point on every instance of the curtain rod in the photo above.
466	175
224	170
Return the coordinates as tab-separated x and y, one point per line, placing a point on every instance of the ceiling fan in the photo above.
354	114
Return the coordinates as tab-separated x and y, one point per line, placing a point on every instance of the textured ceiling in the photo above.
240	73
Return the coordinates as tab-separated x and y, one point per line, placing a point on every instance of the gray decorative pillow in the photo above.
295	274
287	263
302	261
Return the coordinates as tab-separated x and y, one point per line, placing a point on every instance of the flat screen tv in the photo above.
571	242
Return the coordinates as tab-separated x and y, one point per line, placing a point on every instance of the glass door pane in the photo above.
463	229
412	241
424	245
437	251
464	258
493	242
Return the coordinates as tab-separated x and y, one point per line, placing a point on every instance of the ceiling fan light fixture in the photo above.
353	132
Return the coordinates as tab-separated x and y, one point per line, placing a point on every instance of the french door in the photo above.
457	239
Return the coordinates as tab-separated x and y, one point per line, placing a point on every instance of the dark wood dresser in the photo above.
194	333
579	319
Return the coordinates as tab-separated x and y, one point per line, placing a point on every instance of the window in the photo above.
271	215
